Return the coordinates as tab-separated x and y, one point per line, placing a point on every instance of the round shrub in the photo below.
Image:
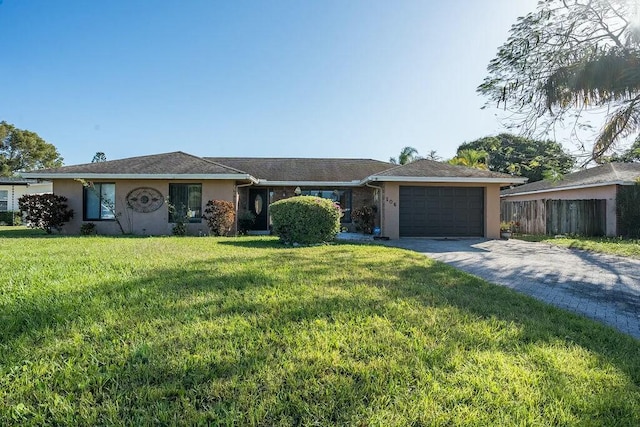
305	219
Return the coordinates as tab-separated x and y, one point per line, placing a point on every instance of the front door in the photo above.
258	202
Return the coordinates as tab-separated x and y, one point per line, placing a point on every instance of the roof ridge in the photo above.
615	171
205	160
129	158
393	167
292	158
223	165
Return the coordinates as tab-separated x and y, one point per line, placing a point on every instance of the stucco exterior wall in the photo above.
16	191
151	223
390	207
607	192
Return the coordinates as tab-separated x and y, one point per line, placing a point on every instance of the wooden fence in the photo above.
581	217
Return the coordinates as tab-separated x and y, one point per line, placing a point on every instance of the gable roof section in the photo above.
278	171
431	171
158	166
607	174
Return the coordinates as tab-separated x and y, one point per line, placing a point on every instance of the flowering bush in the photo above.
509	226
220	216
305	219
47	212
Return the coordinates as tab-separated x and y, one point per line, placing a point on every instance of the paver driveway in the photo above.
603	287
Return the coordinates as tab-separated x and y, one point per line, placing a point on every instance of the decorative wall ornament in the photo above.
145	199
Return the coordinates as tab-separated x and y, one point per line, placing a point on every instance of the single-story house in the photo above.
424	198
599	186
12	188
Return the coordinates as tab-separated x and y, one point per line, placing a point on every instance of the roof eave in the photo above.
567	188
440	179
76	175
265	182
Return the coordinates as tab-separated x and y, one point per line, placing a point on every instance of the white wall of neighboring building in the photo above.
13	192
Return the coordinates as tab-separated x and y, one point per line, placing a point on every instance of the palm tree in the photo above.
471	158
407	155
611	79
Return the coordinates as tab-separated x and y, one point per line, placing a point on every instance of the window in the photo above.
100	201
187	201
4	200
342	197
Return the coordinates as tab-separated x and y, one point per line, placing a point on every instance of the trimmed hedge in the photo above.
305	219
628	204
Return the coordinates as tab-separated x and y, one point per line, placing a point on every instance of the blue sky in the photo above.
251	78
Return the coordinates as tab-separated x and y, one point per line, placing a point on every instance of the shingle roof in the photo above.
431	169
610	173
301	169
175	163
271	169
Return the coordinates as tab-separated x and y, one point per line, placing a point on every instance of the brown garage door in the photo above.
441	211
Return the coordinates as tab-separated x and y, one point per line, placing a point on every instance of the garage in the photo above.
441	211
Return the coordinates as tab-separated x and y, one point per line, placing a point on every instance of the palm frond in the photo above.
612	76
620	124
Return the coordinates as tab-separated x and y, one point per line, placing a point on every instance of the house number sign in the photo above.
145	199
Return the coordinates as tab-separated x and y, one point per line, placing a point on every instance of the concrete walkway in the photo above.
603	287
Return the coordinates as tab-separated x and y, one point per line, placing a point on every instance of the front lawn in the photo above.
148	331
606	245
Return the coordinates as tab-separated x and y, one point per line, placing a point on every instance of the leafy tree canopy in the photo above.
522	156
632	154
23	150
567	57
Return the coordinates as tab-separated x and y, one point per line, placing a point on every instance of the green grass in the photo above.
607	245
148	331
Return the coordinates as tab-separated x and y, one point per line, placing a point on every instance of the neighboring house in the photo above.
12	188
424	198
595	189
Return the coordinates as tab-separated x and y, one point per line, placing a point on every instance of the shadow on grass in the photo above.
273	242
242	365
257	242
19	232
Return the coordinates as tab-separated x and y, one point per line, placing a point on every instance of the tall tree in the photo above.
632	154
23	150
522	156
407	155
99	157
433	155
476	159
567	57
